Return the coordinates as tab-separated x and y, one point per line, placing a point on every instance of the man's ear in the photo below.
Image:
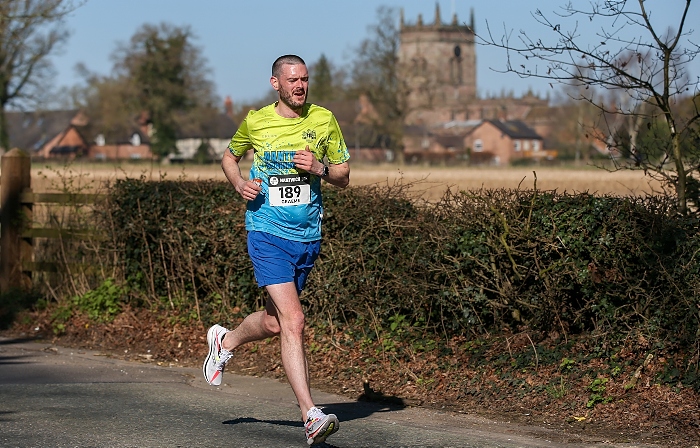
274	82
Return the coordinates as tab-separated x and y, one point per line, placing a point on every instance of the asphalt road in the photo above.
60	397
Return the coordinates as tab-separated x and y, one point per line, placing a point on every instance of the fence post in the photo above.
15	178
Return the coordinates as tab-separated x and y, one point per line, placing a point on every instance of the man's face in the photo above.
292	85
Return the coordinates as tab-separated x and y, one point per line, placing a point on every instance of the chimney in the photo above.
228	106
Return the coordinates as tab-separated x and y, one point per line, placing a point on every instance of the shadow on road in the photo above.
16	341
344	411
4	413
12	360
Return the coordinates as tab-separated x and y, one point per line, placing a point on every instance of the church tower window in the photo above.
456	66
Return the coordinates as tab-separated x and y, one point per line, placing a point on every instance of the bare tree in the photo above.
30	31
569	132
645	66
376	73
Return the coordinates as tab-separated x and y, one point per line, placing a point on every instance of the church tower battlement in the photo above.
438	64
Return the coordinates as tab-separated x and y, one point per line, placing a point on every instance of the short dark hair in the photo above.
286	59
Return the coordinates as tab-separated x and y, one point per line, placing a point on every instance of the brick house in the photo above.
499	142
130	142
133	145
67	134
435	145
48	134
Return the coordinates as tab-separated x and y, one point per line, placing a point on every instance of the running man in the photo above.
291	140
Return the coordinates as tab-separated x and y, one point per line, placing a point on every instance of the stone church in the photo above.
437	62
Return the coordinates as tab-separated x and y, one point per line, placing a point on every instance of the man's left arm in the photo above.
338	174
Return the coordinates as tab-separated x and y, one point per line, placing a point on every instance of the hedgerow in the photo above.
472	263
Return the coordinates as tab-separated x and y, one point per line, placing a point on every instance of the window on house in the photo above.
478	145
136	139
135	156
517	145
100	140
526	145
535	145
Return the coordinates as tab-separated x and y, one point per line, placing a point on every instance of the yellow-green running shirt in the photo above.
290	204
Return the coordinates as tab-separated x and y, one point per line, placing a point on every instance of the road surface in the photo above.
52	396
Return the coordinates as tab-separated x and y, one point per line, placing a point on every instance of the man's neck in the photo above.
285	111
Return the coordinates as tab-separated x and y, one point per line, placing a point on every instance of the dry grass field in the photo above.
427	182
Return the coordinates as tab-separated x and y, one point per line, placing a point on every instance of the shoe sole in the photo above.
323	433
213	341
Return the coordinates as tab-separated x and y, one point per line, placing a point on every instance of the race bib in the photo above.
290	189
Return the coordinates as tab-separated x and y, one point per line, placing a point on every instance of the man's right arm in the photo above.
248	190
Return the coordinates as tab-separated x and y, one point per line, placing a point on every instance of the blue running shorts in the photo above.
278	260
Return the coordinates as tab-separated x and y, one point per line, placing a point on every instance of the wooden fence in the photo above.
17	236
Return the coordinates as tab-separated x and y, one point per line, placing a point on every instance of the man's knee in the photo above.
293	323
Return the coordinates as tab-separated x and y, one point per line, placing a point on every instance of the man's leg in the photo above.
255	327
290	316
284	316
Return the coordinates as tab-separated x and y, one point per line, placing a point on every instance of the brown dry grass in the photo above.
431	182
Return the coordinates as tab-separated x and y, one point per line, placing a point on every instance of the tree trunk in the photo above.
680	171
399	158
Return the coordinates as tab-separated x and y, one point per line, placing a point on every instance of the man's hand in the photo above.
249	189
306	160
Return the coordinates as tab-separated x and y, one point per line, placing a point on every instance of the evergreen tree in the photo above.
166	78
321	86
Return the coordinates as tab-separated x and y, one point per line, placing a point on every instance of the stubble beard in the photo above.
288	99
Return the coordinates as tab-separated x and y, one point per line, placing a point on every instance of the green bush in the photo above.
103	303
473	262
181	244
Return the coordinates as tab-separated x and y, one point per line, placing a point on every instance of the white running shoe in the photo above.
319	426
217	357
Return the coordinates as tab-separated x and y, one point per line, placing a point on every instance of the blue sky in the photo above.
240	39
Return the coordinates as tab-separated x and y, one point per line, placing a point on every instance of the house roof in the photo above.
125	138
220	126
30	131
515	129
223	126
345	111
461	124
416	130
